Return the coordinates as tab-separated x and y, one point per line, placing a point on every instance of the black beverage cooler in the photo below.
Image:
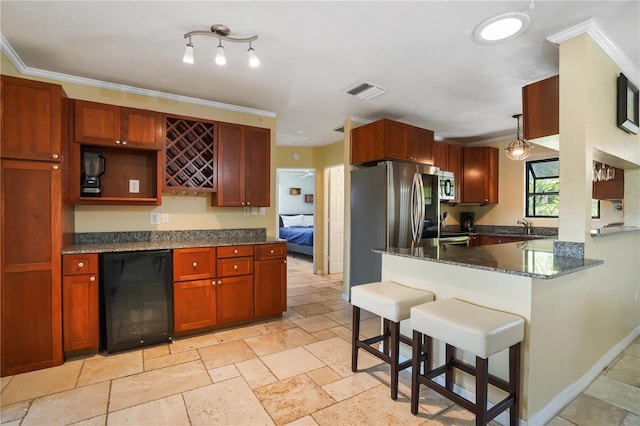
136	299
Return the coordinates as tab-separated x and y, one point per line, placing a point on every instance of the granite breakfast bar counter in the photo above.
524	278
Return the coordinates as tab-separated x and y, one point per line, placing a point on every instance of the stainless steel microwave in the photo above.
446	183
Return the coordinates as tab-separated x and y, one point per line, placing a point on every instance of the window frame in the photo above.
527	194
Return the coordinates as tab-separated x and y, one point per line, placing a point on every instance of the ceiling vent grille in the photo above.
365	91
339	129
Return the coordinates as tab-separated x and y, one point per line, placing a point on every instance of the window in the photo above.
543	189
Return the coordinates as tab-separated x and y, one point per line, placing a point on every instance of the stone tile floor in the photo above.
291	370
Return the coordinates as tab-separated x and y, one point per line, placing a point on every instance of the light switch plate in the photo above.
134	186
154	218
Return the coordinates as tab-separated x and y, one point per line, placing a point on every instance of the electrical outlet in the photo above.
254	211
154	218
263	211
134	186
165	217
246	211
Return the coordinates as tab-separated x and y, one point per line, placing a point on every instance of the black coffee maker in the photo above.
93	166
466	221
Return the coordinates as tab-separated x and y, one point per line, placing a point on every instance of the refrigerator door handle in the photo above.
417	209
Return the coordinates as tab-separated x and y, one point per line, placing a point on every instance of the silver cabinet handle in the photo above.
195	264
92	278
235	266
235	251
80	264
213	282
56	167
272	251
124	142
117	142
55	156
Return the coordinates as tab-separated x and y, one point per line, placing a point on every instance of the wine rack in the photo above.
190	155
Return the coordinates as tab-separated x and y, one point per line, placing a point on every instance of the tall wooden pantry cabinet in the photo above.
35	217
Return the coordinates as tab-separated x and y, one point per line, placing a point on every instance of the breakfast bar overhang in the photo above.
524	278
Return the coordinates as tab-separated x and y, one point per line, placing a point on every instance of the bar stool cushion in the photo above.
476	329
389	299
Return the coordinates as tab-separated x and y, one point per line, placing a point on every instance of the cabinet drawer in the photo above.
194	263
79	264
235	251
270	251
235	266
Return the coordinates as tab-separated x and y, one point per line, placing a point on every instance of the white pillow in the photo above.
289	221
307	220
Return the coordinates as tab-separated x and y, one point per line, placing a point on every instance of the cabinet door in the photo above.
367	142
31	288
141	129
31	119
231	177
270	286
257	166
97	124
541	108
235	298
480	175
455	166
194	305
441	155
81	327
610	189
396	140
420	148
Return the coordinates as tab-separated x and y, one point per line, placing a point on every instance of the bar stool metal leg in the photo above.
355	335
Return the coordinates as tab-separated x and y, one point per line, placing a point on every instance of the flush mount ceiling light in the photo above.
519	148
502	27
221	32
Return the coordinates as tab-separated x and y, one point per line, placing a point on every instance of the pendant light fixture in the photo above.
221	32
519	148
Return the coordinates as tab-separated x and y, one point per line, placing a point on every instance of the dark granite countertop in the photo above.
104	242
532	258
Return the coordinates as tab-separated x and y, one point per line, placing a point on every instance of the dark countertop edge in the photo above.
597	233
592	263
162	245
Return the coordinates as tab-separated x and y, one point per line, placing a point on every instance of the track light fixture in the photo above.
221	32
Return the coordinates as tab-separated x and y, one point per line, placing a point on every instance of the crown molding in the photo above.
17	62
592	28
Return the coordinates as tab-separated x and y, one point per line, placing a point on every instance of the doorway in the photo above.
334	208
295	201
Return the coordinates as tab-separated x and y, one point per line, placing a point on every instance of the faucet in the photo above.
526	224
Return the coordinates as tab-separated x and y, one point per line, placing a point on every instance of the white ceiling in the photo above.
422	52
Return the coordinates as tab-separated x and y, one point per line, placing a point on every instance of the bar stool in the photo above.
475	329
392	302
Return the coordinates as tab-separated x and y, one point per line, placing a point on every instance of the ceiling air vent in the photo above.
365	90
339	129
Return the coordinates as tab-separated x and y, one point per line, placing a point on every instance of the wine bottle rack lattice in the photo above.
189	155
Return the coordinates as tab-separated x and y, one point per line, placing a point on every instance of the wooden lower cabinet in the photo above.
234	299
80	303
270	279
194	305
80	319
31	217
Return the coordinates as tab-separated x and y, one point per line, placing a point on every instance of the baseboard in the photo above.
544	415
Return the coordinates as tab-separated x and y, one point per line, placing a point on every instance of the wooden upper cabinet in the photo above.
103	124
441	155
610	189
480	175
31	119
243	166
541	108
391	140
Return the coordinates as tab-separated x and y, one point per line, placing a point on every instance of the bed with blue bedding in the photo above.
297	229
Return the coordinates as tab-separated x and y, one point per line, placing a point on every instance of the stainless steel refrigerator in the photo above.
391	203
